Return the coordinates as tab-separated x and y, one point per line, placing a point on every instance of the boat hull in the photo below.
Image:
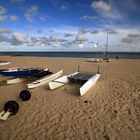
15	81
96	60
60	81
2	63
89	84
45	80
19	72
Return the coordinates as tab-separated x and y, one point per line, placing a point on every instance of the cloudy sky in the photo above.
69	25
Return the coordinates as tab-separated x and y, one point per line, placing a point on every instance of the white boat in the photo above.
15	81
45	80
65	79
39	74
4	63
60	81
97	60
89	84
106	59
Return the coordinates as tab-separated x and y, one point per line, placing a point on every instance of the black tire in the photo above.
25	95
12	107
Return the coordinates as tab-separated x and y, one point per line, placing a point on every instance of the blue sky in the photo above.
69	25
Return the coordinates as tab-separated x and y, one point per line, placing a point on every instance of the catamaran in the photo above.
86	79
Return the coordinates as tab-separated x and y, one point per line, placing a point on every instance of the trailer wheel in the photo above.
12	107
25	95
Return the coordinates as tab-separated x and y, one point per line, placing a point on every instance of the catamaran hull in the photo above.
89	84
15	81
45	80
60	81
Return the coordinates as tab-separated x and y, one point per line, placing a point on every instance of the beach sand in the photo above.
109	111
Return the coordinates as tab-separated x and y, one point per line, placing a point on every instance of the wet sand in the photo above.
109	111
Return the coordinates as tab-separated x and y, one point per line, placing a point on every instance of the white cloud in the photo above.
81	45
132	38
54	40
125	39
2	10
63	7
114	14
13	17
4	38
85	17
95	45
42	18
19	38
56	44
3	18
80	36
43	41
94	31
53	37
31	12
15	38
5	30
107	10
65	29
101	5
39	30
68	35
110	31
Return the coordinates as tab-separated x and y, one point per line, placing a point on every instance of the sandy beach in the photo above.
109	111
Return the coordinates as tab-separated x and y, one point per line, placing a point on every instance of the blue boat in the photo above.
20	72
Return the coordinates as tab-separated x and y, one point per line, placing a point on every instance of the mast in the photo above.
106	44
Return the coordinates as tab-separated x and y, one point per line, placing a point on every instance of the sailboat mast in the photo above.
106	43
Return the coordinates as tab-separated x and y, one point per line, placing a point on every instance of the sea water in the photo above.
121	55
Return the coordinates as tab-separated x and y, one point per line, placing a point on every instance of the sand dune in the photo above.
109	111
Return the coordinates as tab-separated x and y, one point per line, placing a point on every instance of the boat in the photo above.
89	84
106	59
40	74
86	79
8	69
44	80
15	81
20	72
4	63
60	81
97	60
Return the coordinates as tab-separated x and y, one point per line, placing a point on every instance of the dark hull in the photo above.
20	73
